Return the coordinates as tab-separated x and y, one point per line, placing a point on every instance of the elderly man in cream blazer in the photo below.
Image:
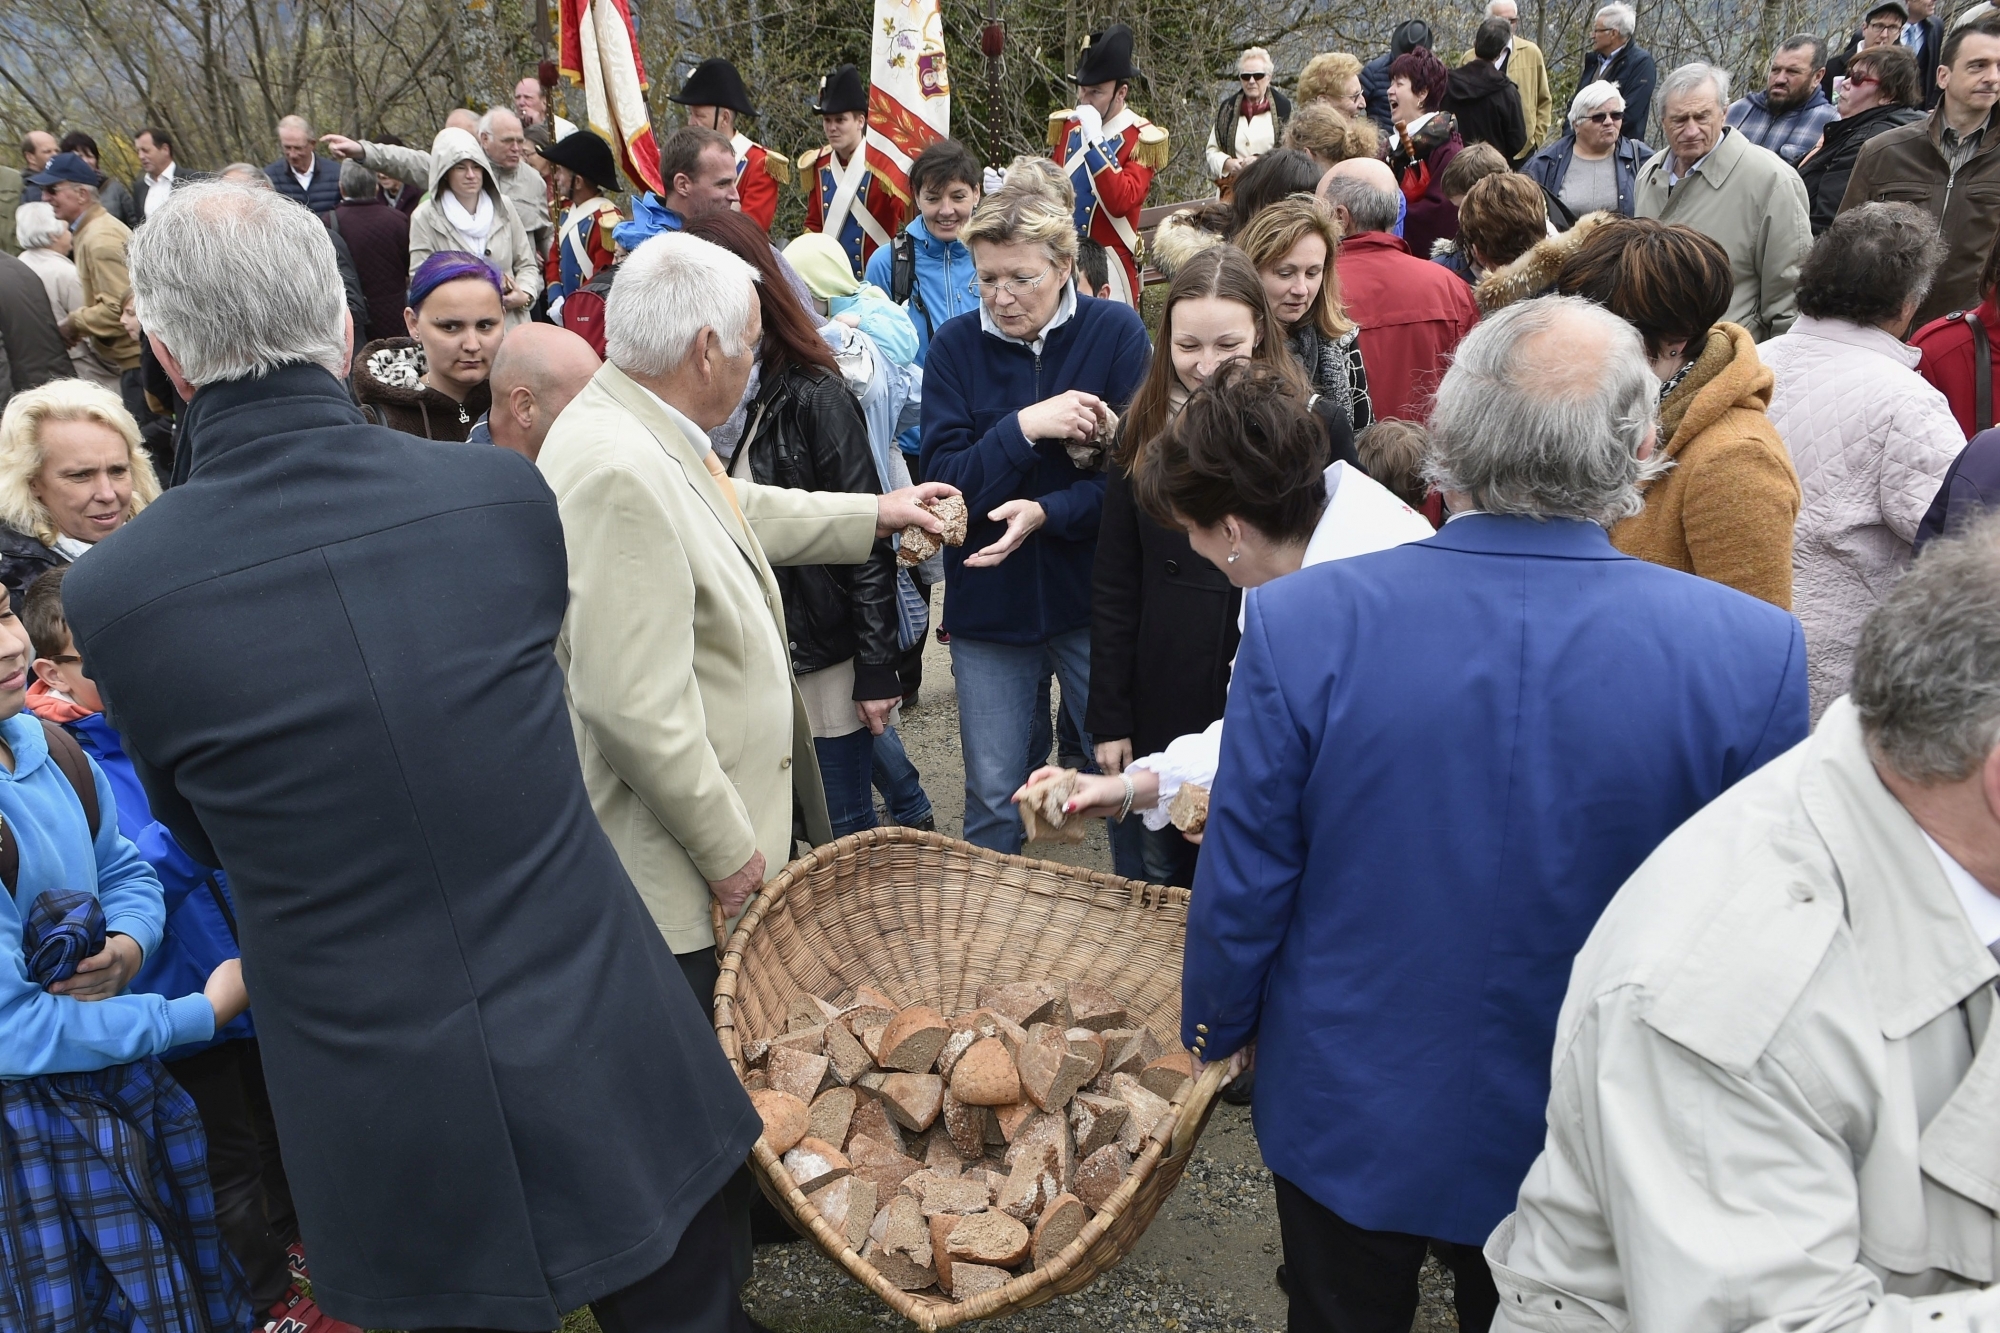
680	686
1776	1101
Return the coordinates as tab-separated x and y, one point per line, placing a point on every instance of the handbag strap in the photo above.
1982	373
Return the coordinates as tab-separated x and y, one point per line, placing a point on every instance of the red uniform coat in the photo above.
816	173
1111	187
1947	349
1412	314
758	176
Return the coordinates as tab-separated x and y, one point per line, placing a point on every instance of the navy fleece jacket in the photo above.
975	385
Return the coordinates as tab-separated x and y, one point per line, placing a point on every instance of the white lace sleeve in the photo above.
1191	758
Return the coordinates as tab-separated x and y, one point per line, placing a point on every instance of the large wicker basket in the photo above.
928	919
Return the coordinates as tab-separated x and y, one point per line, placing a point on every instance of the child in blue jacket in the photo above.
220	1070
107	1220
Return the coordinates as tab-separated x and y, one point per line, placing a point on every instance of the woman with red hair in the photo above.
1425	142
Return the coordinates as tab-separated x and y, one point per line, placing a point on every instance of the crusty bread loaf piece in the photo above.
1189	810
1042	813
918	546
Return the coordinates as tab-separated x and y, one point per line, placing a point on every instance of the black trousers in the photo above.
253	1201
690	1293
740	1196
1343	1279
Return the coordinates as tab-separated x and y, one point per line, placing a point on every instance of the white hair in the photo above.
1621	17
668	291
296	123
486	121
238	282
1491	5
1592	98
1255	53
1690	77
36	225
1543	412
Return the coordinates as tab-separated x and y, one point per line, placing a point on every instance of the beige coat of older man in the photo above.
1748	201
679	681
1776	1101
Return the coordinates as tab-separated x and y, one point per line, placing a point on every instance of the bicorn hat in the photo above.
715	82
1107	57
841	91
587	155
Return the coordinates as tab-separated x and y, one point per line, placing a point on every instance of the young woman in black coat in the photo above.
1163	620
804	430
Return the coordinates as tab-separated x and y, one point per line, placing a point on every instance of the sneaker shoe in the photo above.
298	1314
295	1259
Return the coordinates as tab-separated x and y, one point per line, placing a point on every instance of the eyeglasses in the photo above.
1861	80
1604	30
1253	78
1885	26
1012	286
1605	117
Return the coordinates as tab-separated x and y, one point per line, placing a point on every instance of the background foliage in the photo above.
219	73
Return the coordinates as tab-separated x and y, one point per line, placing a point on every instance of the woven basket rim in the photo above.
1170	1140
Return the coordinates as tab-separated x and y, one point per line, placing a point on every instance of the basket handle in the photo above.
1186	1126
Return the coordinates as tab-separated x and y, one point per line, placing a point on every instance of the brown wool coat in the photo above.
1726	509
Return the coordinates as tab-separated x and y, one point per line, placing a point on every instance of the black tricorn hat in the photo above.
1107	57
715	82
841	91
587	155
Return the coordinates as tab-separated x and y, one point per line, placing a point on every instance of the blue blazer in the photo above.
1440	761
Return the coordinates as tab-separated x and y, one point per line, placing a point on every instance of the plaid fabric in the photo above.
107	1221
1792	135
64	927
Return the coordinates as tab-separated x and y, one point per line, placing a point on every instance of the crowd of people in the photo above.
444	588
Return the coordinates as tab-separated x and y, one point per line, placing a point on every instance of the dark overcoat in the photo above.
330	652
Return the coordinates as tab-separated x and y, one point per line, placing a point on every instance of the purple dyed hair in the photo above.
448	266
1425	72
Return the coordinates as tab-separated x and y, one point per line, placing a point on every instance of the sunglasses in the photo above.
1606	117
1253	78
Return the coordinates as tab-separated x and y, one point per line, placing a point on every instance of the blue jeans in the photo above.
997	687
1157	856
846	765
896	778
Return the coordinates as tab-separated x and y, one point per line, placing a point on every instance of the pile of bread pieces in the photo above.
956	1153
918	546
1044	819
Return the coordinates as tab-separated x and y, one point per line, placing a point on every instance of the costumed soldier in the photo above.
715	96
1110	153
844	198
584	173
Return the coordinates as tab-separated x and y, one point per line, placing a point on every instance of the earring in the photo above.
1234	556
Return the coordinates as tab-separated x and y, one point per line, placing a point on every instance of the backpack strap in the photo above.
68	757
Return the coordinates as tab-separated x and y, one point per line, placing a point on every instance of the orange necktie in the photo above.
728	488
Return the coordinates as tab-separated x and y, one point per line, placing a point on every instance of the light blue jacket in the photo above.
944	288
42	1033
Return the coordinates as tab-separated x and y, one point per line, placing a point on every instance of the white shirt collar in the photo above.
695	434
305	178
1064	313
163	177
1982	908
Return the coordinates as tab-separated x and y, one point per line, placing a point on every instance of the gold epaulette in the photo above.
807	161
777	168
1152	149
1059	126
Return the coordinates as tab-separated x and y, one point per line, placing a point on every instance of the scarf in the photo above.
69	548
473	227
1249	110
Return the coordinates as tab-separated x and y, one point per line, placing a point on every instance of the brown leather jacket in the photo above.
1908	165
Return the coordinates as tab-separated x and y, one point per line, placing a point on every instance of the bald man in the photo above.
1412	312
540	367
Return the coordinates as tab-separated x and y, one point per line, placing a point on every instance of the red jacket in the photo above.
1412	314
758	176
1947	362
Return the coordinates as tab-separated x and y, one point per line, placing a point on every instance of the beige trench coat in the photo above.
679	682
1776	1099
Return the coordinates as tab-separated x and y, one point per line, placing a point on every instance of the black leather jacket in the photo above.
22	561
805	431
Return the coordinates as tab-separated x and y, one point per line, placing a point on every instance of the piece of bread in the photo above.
918	546
1042	813
1189	810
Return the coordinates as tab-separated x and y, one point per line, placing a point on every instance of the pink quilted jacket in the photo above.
1871	441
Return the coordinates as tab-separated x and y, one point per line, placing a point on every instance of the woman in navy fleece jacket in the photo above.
1014	394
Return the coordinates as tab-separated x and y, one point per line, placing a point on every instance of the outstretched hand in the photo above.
1022	517
340	146
909	507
